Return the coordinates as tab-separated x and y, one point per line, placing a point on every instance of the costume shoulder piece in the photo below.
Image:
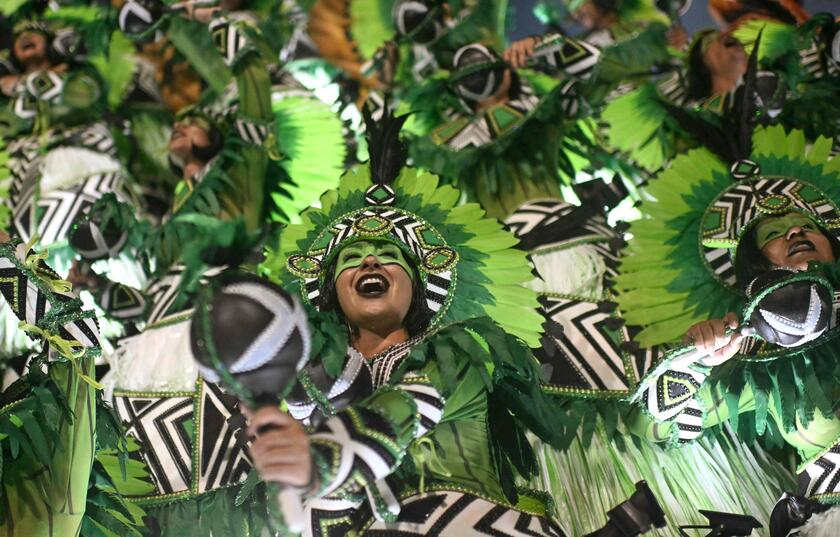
454	246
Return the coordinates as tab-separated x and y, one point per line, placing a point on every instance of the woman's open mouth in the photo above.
801	246
372	286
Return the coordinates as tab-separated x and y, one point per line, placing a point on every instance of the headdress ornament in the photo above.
478	72
417	21
466	261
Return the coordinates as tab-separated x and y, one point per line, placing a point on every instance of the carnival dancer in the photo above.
182	425
795	86
743	221
590	367
62	155
188	430
429	297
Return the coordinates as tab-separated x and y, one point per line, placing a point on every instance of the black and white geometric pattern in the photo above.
189	441
460	133
383	364
21	294
30	304
550	224
671	392
160	424
536	215
166	297
223	456
251	132
354	382
573	57
406	229
450	514
39	86
227	38
24	160
589	353
428	400
821	476
674	88
360	443
52	214
741	203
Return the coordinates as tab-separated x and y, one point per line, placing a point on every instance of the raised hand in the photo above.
519	51
712	338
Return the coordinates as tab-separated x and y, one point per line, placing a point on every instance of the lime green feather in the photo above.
777	38
372	24
310	139
635	123
116	67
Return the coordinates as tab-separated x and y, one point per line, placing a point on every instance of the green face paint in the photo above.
775	227
352	256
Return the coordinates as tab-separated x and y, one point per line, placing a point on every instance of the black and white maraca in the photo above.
260	334
260	339
792	313
93	241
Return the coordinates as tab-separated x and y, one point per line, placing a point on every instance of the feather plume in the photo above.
744	108
387	152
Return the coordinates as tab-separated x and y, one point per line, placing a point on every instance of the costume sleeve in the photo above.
677	394
358	448
49	498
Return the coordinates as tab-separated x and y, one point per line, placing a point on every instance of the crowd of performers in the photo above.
365	267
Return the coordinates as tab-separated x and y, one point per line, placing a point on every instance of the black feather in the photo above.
703	129
387	152
744	108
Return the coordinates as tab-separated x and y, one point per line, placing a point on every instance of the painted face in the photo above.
725	57
31	49
374	285
793	240
187	134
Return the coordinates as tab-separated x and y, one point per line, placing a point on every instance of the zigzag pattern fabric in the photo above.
189	441
444	513
462	133
51	213
589	349
228	39
821	477
571	56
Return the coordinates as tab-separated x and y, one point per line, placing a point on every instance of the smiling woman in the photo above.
378	293
422	416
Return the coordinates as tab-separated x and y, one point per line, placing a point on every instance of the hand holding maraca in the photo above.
281	449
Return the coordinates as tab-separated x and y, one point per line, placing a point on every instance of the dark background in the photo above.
524	22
